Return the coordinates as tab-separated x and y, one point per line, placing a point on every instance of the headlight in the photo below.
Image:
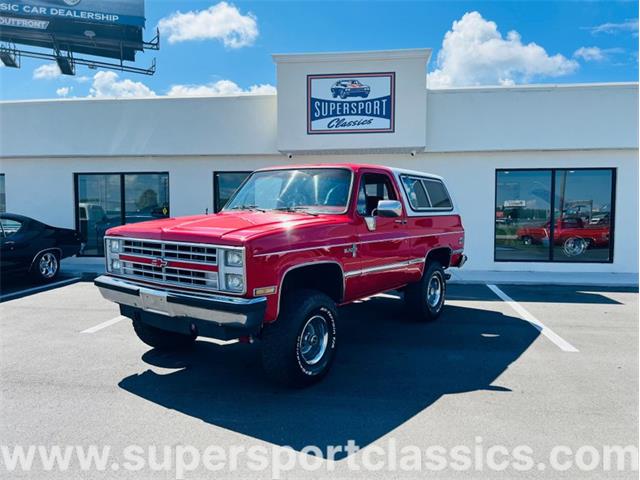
234	282
233	258
116	266
114	245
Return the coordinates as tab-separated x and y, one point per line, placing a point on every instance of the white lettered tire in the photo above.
299	347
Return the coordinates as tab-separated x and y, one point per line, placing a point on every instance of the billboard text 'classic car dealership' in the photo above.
545	176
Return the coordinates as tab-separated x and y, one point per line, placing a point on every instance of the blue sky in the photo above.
225	48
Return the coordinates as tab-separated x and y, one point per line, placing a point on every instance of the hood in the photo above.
225	228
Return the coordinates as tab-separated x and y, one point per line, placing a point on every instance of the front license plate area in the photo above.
154	301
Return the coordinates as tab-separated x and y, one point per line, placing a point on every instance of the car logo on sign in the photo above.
159	262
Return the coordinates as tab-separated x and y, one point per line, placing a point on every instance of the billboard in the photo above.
120	12
106	28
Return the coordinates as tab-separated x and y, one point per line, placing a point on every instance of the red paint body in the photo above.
276	242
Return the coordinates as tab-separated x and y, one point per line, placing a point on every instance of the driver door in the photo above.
382	246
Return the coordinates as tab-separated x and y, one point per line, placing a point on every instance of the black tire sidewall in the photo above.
35	270
162	339
434	269
416	294
323	365
281	356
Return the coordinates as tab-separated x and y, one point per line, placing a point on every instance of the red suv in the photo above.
291	245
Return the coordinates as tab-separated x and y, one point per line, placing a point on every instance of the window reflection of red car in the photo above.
570	232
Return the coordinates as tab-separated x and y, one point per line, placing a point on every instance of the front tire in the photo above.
299	347
46	267
425	299
162	339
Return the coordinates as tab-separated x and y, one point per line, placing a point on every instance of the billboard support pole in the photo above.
92	64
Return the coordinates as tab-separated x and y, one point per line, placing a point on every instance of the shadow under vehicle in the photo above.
390	370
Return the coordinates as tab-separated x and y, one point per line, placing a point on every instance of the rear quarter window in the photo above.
426	194
10	226
415	193
438	194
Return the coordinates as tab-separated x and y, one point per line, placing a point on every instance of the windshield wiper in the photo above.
248	207
295	210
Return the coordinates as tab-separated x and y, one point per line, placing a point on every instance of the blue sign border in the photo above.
392	92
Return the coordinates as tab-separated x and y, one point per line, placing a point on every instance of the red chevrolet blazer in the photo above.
292	243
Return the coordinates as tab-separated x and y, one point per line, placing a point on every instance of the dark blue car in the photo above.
349	88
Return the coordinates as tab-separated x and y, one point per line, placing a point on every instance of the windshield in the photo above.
312	190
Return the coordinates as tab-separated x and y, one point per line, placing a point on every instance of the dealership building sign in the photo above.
351	103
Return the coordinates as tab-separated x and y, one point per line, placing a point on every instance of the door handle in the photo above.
401	222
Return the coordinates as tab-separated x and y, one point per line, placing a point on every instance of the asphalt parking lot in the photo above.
531	366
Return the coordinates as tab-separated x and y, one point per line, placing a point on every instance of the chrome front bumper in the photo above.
209	315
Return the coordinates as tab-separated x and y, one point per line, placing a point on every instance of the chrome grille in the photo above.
170	251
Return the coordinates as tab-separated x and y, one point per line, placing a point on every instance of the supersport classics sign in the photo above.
351	103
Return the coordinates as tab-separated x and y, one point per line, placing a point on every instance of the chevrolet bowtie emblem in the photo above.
159	262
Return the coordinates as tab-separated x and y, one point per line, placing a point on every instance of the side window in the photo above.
10	227
416	193
437	194
373	188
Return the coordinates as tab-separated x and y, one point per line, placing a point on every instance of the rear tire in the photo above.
425	299
46	267
162	339
299	347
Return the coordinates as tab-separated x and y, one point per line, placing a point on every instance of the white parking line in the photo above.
526	315
41	288
102	325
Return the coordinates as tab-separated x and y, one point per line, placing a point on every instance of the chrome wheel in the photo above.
435	290
574	246
314	339
48	265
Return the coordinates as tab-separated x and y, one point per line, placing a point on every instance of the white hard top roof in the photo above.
404	171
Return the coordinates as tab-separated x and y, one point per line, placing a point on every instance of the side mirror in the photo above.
389	208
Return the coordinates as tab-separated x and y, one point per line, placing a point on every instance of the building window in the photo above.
555	215
146	196
3	195
225	185
105	200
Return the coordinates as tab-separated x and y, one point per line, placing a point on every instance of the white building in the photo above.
513	157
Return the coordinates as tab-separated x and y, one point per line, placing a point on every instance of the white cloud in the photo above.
64	91
590	54
219	88
474	52
107	84
596	54
48	71
629	25
222	22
